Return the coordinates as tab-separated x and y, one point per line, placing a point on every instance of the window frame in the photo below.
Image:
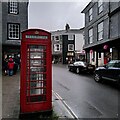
55	46
14	7
99	55
100	31
8	32
90	14
69	47
70	37
52	38
90	36
100	6
56	39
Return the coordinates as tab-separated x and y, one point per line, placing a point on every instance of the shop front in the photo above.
101	54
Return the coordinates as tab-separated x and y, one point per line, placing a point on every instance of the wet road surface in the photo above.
85	97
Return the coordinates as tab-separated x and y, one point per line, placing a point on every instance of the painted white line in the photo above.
64	106
69	110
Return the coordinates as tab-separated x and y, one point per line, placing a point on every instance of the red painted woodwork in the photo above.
36	71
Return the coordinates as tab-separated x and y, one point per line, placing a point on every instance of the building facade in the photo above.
14	21
63	46
65	43
0	34
102	32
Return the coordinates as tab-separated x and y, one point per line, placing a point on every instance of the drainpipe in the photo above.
86	56
109	25
96	59
109	21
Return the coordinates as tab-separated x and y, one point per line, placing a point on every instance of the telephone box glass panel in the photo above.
36	73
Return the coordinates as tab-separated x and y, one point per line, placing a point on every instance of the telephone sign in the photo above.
36	71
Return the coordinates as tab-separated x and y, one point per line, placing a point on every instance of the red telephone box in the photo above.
36	70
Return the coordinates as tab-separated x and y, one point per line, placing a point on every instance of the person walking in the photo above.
5	66
16	64
10	66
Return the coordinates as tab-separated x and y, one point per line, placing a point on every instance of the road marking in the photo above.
70	111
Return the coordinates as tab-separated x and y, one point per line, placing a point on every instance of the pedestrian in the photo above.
10	66
5	66
17	64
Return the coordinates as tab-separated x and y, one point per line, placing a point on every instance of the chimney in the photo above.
67	27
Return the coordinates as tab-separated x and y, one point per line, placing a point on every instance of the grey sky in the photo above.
54	15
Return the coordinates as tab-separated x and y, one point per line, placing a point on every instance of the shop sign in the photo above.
105	47
36	37
91	51
70	54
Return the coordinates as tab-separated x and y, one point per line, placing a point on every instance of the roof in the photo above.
90	4
64	32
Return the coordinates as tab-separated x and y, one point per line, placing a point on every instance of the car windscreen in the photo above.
110	64
79	63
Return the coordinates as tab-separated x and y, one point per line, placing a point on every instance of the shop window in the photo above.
99	55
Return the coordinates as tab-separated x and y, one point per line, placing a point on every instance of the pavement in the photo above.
11	99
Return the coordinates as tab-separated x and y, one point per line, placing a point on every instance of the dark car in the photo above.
110	71
80	66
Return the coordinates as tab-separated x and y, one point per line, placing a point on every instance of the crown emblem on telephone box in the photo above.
36	32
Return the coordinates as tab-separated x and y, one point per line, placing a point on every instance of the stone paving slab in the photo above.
10	96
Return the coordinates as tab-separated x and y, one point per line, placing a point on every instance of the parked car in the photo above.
110	71
80	66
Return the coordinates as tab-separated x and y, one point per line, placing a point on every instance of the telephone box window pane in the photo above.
33	77
36	98
37	48
37	91
28	92
37	55
37	84
36	87
37	62
38	77
37	69
36	73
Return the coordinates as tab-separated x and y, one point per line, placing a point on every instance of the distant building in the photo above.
14	20
66	43
102	32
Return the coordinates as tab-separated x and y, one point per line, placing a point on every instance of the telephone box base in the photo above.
36	115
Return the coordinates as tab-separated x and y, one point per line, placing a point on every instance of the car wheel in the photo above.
77	70
97	77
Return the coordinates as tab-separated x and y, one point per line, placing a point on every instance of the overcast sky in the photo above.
52	16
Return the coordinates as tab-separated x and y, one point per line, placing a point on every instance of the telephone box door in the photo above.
36	90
